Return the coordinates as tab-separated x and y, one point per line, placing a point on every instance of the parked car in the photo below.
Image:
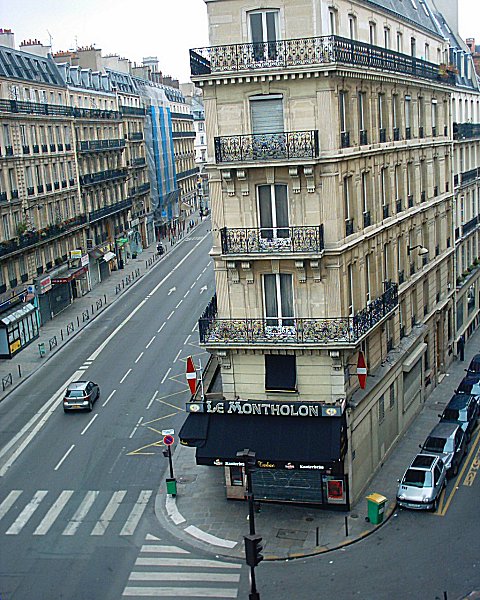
422	483
448	441
474	366
470	385
81	395
462	409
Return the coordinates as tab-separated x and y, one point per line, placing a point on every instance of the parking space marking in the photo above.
186	341
472	472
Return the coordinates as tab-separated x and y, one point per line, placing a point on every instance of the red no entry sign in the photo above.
168	440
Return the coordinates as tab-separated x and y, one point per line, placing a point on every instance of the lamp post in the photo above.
253	546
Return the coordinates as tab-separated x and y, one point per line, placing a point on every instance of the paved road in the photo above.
77	490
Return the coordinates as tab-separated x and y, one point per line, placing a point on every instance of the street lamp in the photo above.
421	252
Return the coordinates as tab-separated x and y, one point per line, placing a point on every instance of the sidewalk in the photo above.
201	515
58	331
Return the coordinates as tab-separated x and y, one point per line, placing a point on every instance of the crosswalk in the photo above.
163	571
90	512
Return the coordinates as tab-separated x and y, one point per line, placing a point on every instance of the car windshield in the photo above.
436	444
75	394
417	478
453	414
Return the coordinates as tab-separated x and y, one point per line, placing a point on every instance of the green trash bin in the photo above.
172	486
376	508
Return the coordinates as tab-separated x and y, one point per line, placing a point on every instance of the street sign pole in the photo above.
201	379
170	462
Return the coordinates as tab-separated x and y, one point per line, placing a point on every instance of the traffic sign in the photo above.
168	440
191	375
168	431
361	370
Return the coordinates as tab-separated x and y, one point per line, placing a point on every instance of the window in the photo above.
396	117
263	33
280	372
365	205
344	133
333	18
382	117
273	211
367	279
386	262
384	187
236	476
386	37
278	294
413	47
352	26
434	117
399	41
350	291
361	118
427	52
421	116
347	182
373	33
381	408
408	117
267	114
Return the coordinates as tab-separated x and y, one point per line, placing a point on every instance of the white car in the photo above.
422	483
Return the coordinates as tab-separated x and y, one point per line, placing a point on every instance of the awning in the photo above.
16	315
95	253
108	256
284	442
69	274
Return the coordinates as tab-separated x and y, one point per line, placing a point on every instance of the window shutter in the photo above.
267	115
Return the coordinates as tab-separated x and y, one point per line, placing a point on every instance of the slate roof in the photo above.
16	64
415	11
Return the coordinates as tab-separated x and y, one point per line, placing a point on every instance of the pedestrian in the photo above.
461	347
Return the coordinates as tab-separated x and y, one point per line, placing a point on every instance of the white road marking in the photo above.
9	501
109	513
176	358
170	315
136	427
166	375
108	399
209	538
186	293
152	400
192	286
139	357
195	327
26	513
136	513
160	548
159	330
180	592
157	561
49	519
185	576
186	341
90	422
173	511
179	303
198	277
81	513
125	376
59	464
149	343
205	269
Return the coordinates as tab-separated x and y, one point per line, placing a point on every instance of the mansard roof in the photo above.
16	64
415	11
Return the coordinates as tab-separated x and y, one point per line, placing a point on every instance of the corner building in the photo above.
331	194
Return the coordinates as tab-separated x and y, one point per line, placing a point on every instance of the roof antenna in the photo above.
50	38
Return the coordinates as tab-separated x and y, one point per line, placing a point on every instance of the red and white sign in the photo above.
191	375
362	370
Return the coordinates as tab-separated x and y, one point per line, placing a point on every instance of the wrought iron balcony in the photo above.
386	211
363	137
95	113
100	145
423	196
111	209
464	131
382	133
470	225
349	227
267	146
408	133
367	219
396	134
133	110
398	205
35	108
295	330
345	139
136	136
276	240
401	277
139	162
102	176
314	51
469	176
410	200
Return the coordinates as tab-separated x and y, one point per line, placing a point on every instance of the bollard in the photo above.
61	333
317	537
78	321
105	298
346	525
19	371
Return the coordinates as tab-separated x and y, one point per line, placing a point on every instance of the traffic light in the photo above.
253	549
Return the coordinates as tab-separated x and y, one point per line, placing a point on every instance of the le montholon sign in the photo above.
265	408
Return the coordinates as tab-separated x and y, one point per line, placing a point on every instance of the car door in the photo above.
460	445
438	480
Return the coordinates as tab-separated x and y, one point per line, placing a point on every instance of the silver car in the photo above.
422	483
448	440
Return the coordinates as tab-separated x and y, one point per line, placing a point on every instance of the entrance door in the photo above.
263	32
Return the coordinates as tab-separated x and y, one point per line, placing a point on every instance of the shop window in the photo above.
280	373
236	476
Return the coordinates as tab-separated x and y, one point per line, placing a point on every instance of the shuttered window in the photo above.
267	114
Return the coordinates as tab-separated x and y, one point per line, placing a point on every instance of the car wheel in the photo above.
90	406
435	504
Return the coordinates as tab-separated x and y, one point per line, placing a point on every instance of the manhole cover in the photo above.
353	516
292	534
187	479
309	519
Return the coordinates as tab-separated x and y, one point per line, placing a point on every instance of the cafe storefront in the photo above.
19	325
299	448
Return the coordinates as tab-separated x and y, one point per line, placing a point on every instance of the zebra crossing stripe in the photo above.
26	513
185	576
136	513
9	501
154	561
180	592
166	549
49	519
81	513
109	513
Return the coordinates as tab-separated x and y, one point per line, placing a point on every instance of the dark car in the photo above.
474	366
470	385
81	395
462	409
448	441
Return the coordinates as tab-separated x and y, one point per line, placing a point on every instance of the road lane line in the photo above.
193	285
26	513
159	330
176	358
136	427
109	398
136	513
186	293
59	464
166	375
9	501
179	303
90	422
195	327
109	513
51	516
152	400
170	315
139	357
186	341
150	342
81	513
198	277
125	376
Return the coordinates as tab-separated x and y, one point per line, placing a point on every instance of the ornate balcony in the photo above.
465	131
314	51
267	146
297	331
111	209
100	145
276	240
470	225
133	110
102	176
469	176
136	136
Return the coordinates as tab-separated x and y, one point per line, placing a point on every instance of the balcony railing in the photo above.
261	240
267	146
56	110
139	162
398	205
396	134
464	131
367	219
349	227
324	50
294	330
111	209
408	133
102	176
470	225
100	145
133	110
136	136
345	139
469	176
410	200
363	137
382	135
95	113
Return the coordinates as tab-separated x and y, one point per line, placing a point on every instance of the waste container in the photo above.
376	508
171	486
